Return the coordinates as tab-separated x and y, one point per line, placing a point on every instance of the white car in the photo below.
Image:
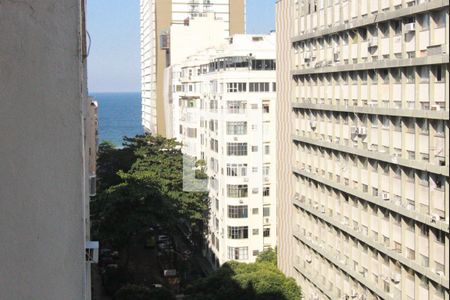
163	238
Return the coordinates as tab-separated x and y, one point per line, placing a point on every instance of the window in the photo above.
438	74
424	21
236	107
266	170
259	87
274	86
255	231
267	149
424	74
236	149
237	191
266	191
255	211
236	170
266	108
266	232
236	87
238	232
266	211
238	253
237	212
254	148
263	64
237	128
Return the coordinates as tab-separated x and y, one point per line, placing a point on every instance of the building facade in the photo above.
364	121
158	19
47	152
227	107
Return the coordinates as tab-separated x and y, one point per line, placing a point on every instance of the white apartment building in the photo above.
158	19
227	106
363	133
198	32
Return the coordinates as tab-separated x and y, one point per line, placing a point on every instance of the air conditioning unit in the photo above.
296	196
313	124
322	210
360	269
410	27
92	251
435	218
307	55
235	138
314	296
435	107
395	278
241	201
308	259
246	179
354	293
354	130
362	130
92	185
267	220
385	196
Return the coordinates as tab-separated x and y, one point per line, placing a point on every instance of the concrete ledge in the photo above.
341	266
396	256
424	219
311	277
414	164
401	112
380	64
372	19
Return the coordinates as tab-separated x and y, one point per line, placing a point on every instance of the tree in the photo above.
138	292
256	281
141	184
111	160
269	256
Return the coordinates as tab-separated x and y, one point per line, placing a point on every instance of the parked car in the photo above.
166	245
163	238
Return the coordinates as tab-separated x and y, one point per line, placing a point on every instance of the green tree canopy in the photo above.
138	292
141	184
239	281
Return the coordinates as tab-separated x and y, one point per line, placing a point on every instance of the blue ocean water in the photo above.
119	115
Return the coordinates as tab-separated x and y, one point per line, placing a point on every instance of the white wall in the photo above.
41	151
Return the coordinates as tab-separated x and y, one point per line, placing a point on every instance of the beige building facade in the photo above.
363	134
158	18
47	152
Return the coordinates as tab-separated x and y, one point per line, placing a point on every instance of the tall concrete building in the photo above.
47	151
158	19
363	156
227	113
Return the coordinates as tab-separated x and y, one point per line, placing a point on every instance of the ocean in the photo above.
119	115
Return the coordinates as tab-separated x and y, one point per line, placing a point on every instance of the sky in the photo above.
113	26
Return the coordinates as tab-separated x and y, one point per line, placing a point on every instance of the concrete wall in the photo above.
237	16
285	191
42	173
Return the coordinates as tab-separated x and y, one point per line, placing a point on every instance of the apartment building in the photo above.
47	152
158	19
227	107
363	133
